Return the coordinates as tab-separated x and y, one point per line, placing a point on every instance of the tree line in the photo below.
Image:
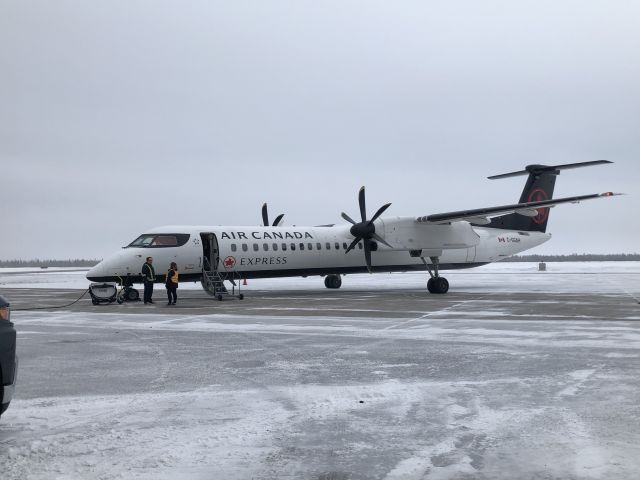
577	257
36	262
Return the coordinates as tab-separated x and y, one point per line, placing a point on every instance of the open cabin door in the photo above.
212	279
210	252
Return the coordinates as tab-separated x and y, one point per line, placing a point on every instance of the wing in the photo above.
481	215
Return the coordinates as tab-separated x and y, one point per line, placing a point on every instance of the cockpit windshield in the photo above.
160	240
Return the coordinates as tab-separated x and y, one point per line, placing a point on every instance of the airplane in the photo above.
430	243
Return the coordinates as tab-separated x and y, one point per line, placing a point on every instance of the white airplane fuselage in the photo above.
262	252
448	240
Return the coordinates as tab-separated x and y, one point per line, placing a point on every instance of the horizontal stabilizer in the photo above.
552	169
527	209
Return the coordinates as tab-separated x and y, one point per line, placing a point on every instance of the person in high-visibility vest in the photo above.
172	283
148	277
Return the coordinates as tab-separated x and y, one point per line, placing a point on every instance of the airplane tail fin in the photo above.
539	186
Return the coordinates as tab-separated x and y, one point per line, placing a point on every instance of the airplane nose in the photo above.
96	272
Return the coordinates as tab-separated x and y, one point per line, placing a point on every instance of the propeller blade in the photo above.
379	212
265	215
353	244
363	207
348	218
367	253
278	219
381	240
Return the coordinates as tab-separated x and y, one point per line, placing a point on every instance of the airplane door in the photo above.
210	252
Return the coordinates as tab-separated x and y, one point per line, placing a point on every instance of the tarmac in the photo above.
381	383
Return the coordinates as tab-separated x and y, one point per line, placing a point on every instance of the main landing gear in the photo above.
332	281
436	283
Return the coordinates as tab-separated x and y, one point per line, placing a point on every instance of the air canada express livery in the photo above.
431	243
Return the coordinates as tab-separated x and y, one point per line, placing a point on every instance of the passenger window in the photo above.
293	246
328	245
309	246
318	246
360	246
344	245
275	247
265	247
302	246
234	247
244	247
337	246
256	247
284	247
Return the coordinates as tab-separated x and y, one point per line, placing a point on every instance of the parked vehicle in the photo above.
8	359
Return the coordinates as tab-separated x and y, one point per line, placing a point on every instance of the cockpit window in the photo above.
160	240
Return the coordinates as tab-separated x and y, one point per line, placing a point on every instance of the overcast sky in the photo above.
119	116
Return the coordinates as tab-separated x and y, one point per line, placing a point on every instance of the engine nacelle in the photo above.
405	233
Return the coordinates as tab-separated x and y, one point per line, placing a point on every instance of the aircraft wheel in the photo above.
132	295
219	297
241	296
438	285
94	301
441	285
333	281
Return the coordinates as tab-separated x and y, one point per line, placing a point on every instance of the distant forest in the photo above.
76	262
574	257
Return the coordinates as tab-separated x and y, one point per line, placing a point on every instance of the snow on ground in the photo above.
538	380
505	276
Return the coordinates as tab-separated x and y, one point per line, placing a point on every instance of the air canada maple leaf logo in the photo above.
539	195
229	262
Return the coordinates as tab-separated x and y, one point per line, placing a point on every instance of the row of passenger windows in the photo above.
292	246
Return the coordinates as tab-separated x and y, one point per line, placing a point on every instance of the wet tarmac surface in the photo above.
343	384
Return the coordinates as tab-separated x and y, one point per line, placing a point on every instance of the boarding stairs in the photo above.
213	284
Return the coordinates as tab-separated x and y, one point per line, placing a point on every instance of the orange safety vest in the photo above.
174	277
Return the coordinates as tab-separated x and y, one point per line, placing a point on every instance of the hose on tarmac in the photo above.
52	307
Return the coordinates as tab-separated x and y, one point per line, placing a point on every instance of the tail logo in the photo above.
539	195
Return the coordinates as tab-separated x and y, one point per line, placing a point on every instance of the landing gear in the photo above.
332	281
132	294
436	283
127	294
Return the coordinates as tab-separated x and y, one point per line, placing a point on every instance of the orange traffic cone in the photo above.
244	281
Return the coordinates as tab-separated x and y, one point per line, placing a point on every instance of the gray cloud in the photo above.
106	107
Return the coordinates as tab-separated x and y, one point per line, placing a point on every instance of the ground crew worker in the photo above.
148	276
172	283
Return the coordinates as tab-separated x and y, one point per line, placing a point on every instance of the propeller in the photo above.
365	230
265	217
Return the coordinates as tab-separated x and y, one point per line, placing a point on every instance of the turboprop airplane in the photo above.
432	243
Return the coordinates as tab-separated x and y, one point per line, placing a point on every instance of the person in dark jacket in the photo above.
172	283
148	276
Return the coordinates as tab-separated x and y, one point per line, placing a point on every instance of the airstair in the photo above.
213	284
